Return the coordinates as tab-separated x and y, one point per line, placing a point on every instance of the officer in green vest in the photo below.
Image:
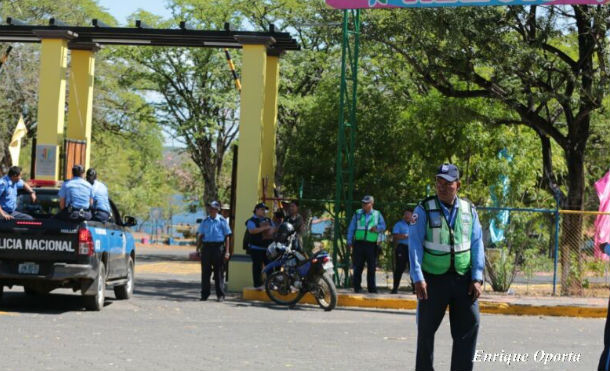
446	260
362	235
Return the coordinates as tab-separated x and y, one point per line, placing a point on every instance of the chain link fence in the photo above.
537	252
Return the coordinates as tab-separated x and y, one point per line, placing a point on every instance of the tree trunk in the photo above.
210	190
201	153
571	226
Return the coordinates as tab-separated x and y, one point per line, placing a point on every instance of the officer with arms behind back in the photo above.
400	234
362	235
101	205
9	184
213	243
447	260
75	197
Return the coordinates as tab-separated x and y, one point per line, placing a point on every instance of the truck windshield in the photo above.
47	204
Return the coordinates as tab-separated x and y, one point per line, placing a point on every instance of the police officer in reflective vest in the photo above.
362	235
261	232
447	260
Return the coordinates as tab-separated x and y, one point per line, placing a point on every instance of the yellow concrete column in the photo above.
80	97
270	123
248	189
51	101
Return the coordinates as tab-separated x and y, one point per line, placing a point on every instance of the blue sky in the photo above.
120	9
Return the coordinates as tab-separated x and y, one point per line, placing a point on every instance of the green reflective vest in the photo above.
363	232
442	244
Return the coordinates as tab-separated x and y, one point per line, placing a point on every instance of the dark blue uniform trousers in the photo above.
365	252
604	360
259	259
444	290
18	215
402	262
212	259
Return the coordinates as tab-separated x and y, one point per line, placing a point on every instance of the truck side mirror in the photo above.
129	221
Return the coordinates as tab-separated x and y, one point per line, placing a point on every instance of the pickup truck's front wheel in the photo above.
123	292
96	302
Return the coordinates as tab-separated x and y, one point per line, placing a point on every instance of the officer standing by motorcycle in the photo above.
362	235
296	219
213	243
261	231
447	260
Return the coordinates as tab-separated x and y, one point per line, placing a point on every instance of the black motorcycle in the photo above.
291	274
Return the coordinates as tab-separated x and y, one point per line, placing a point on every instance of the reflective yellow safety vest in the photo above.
444	245
363	232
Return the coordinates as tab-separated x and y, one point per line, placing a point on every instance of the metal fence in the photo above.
529	251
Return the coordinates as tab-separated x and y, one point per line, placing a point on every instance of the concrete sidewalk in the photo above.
489	303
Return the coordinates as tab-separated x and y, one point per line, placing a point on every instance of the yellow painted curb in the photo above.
362	301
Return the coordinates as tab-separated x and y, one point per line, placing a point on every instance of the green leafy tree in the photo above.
126	140
195	97
546	66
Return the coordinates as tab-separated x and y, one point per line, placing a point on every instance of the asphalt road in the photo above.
165	327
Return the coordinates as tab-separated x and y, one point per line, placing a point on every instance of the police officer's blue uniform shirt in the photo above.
251	225
402	227
77	193
352	225
214	229
8	193
418	235
100	196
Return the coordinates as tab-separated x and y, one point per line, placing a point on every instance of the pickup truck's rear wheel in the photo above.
96	302
125	291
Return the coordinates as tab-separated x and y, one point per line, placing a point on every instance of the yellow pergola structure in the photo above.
258	111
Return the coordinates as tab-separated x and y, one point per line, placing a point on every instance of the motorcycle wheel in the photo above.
325	293
277	287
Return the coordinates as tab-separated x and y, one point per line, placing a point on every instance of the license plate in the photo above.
328	266
28	268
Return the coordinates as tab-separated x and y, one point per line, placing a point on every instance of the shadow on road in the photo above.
175	290
155	258
20	302
299	307
168	289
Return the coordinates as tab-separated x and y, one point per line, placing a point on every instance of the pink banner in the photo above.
363	4
602	222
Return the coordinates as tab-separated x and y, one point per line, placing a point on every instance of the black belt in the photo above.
212	243
365	241
403	244
71	209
